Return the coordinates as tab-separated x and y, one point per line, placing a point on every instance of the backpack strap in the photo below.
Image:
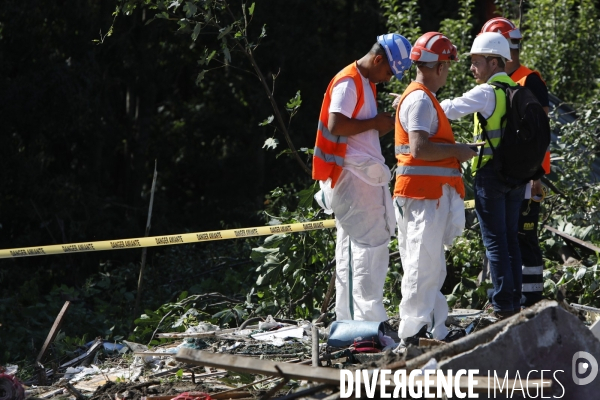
483	124
502	86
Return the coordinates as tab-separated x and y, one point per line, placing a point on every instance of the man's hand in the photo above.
340	125
464	152
396	99
536	189
384	123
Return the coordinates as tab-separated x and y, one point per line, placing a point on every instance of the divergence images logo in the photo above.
582	368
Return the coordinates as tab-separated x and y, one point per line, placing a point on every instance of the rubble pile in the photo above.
283	360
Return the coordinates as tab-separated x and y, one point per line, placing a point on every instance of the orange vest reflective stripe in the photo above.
330	150
520	76
420	179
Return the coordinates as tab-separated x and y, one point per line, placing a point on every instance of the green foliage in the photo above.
293	269
460	80
576	173
403	18
562	41
579	284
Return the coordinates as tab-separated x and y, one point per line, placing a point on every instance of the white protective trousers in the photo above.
364	215
424	227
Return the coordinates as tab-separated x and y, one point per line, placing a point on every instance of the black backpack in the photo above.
518	157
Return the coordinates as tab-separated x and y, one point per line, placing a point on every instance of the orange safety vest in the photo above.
330	150
420	179
520	76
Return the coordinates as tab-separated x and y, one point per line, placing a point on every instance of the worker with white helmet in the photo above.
531	254
354	178
496	203
429	192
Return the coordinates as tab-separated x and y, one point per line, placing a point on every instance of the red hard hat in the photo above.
503	26
433	46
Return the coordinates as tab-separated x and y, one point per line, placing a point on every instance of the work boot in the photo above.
414	340
454	334
500	315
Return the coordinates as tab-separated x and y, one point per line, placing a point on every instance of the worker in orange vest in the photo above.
531	254
429	192
354	178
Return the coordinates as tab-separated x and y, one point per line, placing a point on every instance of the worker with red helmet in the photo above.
531	254
354	177
429	192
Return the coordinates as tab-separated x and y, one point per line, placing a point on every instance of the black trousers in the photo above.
531	255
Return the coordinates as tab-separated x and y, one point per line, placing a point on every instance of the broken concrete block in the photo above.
545	342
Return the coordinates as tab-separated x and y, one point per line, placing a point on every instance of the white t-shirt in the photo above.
343	101
417	113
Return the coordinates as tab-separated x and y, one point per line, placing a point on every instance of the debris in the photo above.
580	243
11	388
345	333
543	337
73	391
265	367
585	308
282	333
41	372
315	346
87	356
193	396
53	331
241	356
268	324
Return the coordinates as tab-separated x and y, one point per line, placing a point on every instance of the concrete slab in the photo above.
547	343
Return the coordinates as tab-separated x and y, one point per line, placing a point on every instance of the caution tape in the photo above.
173	239
165	240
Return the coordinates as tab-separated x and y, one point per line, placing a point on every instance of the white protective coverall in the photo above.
421	247
424	228
364	215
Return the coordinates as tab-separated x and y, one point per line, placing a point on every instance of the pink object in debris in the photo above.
193	396
11	388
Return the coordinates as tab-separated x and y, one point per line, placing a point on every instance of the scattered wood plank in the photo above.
51	393
53	331
255	366
327	376
152	354
579	242
96	381
78	395
225	393
231	395
41	372
195	334
88	354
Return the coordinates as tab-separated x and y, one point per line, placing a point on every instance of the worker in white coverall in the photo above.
354	178
429	192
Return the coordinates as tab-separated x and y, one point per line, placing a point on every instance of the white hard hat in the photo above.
491	44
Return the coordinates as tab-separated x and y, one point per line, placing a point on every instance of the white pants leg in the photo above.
362	254
424	226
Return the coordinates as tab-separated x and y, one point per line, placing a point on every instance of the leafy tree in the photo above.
562	41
